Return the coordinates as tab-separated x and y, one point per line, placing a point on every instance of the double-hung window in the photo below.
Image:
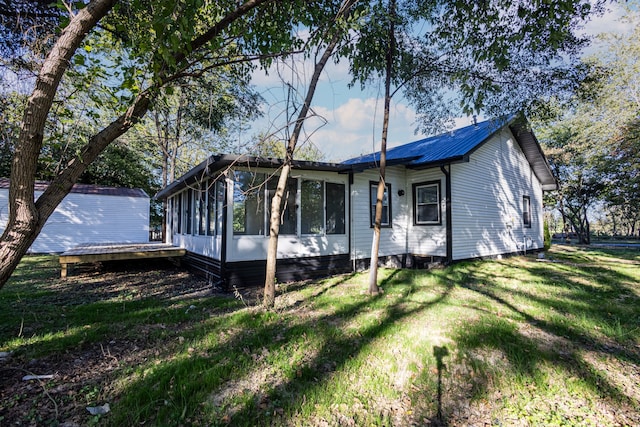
385	221
426	203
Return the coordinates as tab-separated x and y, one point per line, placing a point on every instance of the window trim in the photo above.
438	185
526	213
371	206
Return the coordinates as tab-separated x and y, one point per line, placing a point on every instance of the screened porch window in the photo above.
248	203
320	208
335	208
215	207
177	214
201	213
187	205
312	200
323	207
288	214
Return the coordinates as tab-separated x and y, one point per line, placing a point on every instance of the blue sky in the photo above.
348	121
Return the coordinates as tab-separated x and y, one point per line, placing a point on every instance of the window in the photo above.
335	208
288	212
426	203
201	213
526	211
312	201
187	206
386	204
248	203
215	203
320	208
176	214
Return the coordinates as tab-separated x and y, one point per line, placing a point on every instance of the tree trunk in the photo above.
276	203
26	217
375	244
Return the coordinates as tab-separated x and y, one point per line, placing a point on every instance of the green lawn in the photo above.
507	342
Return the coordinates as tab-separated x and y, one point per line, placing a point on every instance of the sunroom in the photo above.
219	212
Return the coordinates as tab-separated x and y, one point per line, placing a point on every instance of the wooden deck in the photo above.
116	252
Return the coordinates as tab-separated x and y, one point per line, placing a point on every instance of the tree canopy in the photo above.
593	143
119	60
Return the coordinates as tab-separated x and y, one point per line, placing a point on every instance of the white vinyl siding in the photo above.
428	240
487	201
88	218
392	239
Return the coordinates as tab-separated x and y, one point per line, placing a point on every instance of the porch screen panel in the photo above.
248	203
188	211
178	214
312	207
288	212
220	201
201	216
335	208
211	209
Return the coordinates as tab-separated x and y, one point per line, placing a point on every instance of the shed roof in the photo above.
88	189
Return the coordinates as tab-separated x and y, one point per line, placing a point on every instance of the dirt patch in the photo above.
80	377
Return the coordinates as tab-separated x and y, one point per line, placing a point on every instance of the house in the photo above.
470	193
88	214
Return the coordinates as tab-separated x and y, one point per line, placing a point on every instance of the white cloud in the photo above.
355	127
610	21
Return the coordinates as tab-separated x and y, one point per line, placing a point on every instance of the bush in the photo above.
547	236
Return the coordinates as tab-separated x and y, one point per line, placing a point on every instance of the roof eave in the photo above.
535	156
218	162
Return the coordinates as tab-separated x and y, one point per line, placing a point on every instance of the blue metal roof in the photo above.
450	146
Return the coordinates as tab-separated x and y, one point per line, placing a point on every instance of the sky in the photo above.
347	121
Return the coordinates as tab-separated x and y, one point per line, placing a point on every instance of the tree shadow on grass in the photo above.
498	341
224	376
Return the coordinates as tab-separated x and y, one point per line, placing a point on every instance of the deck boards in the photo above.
115	252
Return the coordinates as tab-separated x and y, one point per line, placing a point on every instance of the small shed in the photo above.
88	214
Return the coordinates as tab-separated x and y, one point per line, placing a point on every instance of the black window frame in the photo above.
372	206
438	185
526	213
331	207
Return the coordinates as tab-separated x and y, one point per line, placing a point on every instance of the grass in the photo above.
506	342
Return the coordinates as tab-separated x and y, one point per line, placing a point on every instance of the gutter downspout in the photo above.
447	174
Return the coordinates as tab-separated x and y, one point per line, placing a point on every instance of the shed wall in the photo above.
88	218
